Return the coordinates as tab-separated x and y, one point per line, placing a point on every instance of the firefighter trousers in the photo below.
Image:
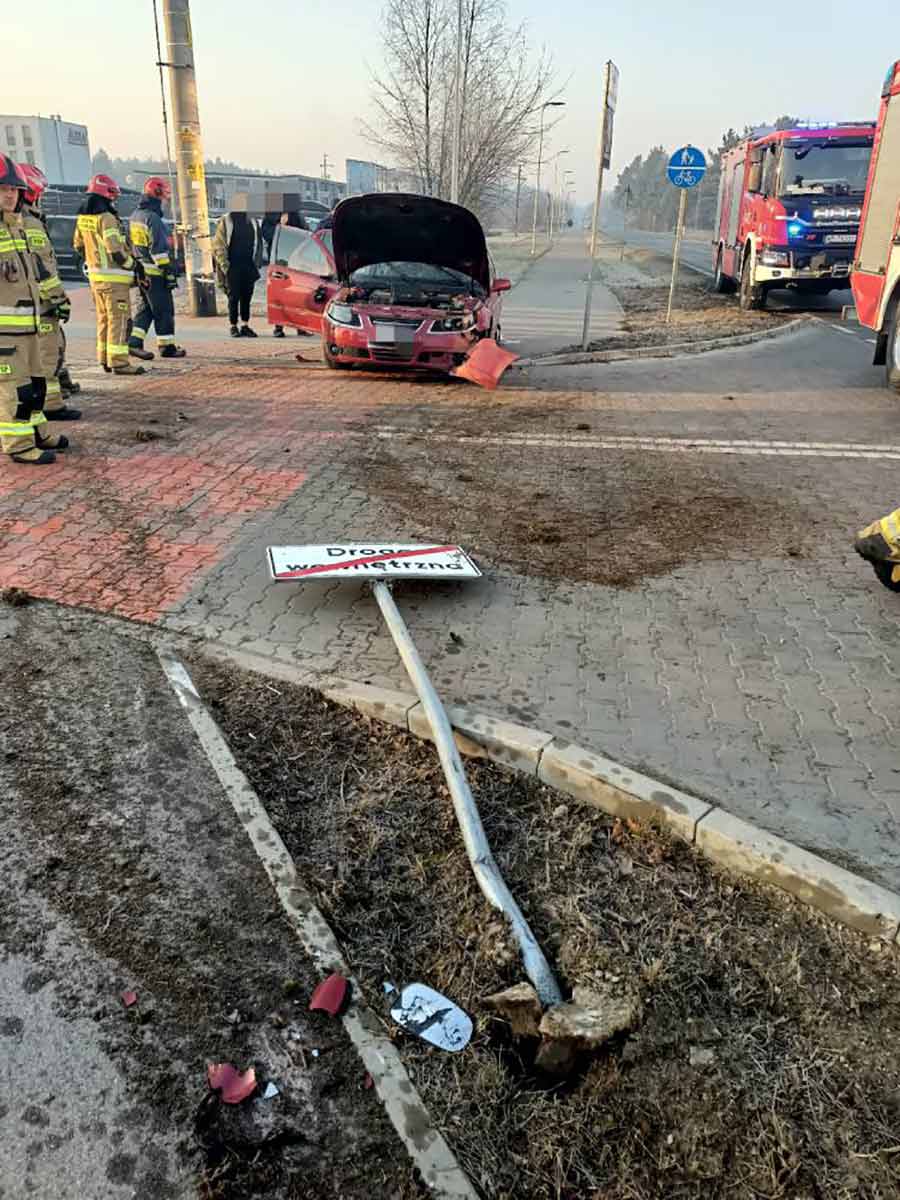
157	308
21	393
50	345
112	303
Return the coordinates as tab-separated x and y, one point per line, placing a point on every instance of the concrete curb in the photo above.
404	1106
589	778
609	356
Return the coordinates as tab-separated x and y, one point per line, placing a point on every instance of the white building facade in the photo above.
60	148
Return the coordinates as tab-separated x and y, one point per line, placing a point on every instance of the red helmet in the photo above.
103	185
158	188
10	175
36	181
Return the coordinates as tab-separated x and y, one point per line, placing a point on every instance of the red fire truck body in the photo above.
876	268
789	208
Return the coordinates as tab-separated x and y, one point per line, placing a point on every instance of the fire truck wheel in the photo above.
892	368
722	283
752	296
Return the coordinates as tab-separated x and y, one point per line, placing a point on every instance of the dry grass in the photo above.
801	1096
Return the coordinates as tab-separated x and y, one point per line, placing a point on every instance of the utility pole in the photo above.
518	194
189	158
604	151
165	119
325	166
456	151
625	219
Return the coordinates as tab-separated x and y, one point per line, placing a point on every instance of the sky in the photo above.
282	82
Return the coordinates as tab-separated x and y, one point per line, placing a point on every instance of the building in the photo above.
222	185
365	177
60	148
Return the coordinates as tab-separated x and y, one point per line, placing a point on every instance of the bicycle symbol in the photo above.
684	179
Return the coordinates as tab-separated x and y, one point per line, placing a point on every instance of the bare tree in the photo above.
503	87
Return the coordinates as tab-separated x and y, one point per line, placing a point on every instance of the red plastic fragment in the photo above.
129	998
331	995
485	364
232	1085
368	1082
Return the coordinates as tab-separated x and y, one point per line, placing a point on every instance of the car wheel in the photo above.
884	571
721	283
892	362
336	363
752	297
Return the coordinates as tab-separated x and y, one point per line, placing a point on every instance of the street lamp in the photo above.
537	188
555	192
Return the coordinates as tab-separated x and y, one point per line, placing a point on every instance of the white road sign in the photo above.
378	559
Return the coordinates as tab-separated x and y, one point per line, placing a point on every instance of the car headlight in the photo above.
453	324
343	314
775	258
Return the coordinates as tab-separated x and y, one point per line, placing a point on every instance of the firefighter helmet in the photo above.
104	185
158	188
36	180
10	175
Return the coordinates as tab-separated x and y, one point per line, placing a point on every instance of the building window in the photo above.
11	135
29	157
26	135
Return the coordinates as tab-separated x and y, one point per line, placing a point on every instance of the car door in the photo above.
300	279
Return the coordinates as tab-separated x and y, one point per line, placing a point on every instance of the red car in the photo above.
398	280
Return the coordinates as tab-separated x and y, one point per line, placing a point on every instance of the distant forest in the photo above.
104	164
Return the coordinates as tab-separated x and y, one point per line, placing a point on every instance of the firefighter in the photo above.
150	243
112	272
55	306
22	385
879	544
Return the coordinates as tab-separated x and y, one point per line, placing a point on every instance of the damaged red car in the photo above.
400	280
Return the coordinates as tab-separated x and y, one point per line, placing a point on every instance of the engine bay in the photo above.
409	295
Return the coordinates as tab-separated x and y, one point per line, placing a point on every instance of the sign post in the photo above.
686	168
604	157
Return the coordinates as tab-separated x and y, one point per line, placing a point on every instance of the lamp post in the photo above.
564	191
537	186
456	148
518	194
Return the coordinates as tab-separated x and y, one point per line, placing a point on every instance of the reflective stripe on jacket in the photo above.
101	243
19	294
50	285
149	237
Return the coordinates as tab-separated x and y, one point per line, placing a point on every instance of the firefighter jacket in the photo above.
101	242
50	286
149	238
20	300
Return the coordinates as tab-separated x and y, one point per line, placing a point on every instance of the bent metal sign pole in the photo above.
604	158
377	562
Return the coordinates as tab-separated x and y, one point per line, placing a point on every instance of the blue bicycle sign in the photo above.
687	167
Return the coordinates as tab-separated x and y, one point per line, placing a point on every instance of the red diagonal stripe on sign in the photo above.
359	562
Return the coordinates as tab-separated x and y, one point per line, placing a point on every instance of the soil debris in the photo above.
520	1006
16	597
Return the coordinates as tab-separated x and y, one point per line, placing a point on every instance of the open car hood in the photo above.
393	227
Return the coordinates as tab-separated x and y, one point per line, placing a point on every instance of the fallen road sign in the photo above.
374	558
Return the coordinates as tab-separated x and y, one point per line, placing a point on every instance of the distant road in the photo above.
694	254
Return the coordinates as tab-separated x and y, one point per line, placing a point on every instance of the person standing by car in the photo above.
295	220
237	252
22	384
55	306
112	272
150	242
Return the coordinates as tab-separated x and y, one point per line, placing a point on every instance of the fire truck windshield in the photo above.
832	168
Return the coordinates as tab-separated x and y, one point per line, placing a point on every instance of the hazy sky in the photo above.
282	81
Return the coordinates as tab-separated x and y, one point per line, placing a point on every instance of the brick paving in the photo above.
767	683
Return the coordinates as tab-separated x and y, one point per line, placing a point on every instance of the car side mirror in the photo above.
320	295
501	285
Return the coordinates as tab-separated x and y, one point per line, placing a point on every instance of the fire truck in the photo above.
876	269
789	207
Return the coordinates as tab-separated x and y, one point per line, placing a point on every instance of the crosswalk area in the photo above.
560	326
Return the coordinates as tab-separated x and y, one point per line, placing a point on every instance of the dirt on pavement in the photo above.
767	1062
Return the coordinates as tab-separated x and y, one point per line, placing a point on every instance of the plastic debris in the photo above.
233	1085
485	364
271	1092
432	1017
388	987
129	998
331	995
368	1082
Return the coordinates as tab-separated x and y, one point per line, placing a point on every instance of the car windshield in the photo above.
830	168
427	276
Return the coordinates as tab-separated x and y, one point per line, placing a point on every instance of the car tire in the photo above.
884	571
752	297
336	364
892	359
721	282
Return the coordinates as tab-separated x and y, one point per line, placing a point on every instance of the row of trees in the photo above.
103	163
504	87
651	201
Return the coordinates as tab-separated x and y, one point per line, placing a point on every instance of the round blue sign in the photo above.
687	167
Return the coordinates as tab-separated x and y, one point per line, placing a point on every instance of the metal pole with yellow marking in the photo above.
189	158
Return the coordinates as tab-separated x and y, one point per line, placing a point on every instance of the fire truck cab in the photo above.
789	208
876	269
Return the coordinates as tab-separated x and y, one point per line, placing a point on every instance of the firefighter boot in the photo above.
130	369
172	352
67	383
34	457
57	441
137	351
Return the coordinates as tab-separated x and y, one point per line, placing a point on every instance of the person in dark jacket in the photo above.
295	220
237	252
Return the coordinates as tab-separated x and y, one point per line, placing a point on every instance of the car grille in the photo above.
409	322
391	353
